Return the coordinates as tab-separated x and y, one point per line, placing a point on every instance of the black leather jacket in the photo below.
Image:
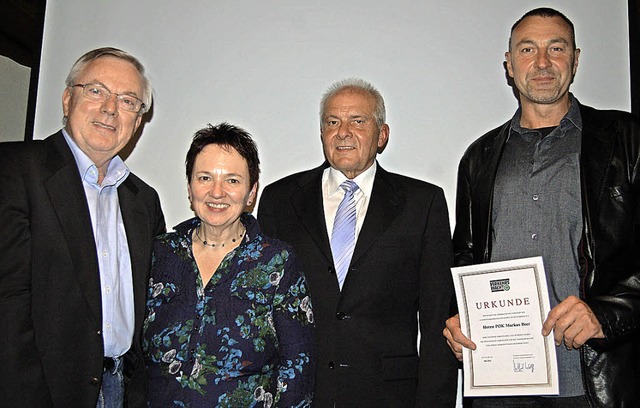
609	249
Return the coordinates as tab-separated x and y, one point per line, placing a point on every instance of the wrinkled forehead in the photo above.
117	74
539	28
351	97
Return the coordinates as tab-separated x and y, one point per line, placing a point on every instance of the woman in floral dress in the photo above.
229	321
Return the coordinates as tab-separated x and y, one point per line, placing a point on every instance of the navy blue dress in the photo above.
244	340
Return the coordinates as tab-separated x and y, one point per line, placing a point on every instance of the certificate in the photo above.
502	307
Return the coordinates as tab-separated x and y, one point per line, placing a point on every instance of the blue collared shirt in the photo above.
114	262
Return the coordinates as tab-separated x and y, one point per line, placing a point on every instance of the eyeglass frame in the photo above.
110	92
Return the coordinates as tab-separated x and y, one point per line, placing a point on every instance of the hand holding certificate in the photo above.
502	307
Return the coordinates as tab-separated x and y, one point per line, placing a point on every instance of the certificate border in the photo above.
550	387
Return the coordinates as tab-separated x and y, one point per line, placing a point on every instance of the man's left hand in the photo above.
573	323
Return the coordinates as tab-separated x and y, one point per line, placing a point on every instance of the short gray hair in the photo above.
81	63
359	85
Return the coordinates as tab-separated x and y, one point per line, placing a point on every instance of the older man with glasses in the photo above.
75	248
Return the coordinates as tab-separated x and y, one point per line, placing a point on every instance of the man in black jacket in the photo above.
560	180
366	312
75	247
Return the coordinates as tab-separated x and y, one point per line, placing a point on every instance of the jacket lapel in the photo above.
67	198
136	224
486	168
384	206
593	163
307	202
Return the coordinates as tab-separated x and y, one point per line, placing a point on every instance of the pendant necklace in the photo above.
220	244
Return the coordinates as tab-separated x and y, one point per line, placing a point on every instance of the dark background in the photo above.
21	25
22	22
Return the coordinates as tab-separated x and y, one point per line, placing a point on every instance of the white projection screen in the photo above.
263	65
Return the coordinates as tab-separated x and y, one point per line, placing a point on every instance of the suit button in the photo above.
95	380
340	315
331	365
331	270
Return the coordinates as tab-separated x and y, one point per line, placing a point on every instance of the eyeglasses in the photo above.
100	93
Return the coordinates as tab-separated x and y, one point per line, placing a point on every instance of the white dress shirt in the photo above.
332	195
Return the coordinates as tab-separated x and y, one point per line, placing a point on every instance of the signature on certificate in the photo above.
519	367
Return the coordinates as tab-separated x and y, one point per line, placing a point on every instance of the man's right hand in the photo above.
455	339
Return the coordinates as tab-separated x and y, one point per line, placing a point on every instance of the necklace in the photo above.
220	244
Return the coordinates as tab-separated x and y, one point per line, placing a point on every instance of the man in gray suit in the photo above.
75	247
369	284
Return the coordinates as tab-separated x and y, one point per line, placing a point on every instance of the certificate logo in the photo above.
500	285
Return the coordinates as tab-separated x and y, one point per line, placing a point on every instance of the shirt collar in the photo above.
364	180
572	119
117	171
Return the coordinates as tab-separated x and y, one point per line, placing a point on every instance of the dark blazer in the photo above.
609	249
51	347
367	334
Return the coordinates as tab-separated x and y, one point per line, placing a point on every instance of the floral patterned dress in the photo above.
244	340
